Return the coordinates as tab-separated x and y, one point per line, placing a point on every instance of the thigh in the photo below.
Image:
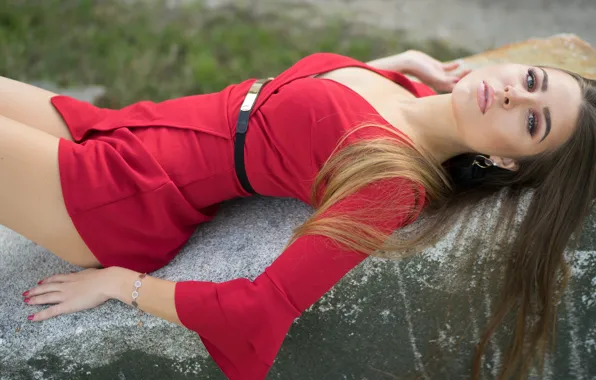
31	106
31	201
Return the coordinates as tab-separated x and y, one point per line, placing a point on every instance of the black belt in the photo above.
241	128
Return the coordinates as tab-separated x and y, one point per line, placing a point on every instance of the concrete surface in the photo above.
416	319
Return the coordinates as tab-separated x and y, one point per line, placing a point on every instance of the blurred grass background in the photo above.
145	49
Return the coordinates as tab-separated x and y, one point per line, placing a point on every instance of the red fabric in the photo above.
137	181
244	323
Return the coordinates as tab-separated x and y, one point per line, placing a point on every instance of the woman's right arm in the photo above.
243	323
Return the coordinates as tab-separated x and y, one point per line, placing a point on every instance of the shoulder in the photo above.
329	108
313	64
386	199
310	97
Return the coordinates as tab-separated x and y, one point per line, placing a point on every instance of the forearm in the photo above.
156	296
398	62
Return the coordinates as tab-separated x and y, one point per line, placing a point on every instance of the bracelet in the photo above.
135	293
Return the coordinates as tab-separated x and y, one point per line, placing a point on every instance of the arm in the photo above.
401	62
438	75
156	296
242	323
91	287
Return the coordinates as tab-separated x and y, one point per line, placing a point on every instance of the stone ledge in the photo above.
418	317
566	51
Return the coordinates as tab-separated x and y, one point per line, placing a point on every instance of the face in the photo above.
509	111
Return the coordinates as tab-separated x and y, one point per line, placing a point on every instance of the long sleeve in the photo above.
243	323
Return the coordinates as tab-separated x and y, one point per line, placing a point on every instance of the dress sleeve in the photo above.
243	323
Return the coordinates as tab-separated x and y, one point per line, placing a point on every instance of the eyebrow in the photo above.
546	110
544	80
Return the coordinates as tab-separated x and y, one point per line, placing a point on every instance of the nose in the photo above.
514	97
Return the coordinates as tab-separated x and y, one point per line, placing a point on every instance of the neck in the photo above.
433	127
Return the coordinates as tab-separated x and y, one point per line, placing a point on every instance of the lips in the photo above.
485	96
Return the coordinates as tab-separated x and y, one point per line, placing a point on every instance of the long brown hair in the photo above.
562	186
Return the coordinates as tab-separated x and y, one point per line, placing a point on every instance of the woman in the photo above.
124	189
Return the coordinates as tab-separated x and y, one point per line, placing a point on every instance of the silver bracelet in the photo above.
135	293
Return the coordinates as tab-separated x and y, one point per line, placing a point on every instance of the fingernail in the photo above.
39	282
31	317
27	300
25	294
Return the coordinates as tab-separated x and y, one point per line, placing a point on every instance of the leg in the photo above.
31	201
31	106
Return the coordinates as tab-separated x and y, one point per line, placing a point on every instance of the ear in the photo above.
505	163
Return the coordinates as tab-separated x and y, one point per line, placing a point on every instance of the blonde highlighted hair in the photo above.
362	164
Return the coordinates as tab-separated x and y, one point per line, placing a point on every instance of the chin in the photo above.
460	99
465	110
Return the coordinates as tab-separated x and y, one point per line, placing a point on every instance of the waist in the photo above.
261	163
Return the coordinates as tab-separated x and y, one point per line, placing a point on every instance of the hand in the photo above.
441	76
69	293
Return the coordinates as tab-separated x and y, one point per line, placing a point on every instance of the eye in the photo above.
532	123
531	79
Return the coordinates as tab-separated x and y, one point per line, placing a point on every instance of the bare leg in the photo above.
31	201
31	106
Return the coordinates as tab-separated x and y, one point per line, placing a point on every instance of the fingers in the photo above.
450	66
45	299
47	292
57	278
55	298
447	87
43	289
50	284
63	291
447	84
48	313
451	79
464	73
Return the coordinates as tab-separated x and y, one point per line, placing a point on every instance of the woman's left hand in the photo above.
441	76
69	293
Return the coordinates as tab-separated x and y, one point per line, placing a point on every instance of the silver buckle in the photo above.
253	92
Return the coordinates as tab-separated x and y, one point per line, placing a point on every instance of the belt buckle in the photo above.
253	92
249	101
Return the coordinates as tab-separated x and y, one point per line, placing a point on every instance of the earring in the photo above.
483	162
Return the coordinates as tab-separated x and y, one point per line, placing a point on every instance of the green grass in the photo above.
144	50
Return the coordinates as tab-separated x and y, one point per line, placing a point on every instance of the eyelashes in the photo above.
531	79
532	123
532	120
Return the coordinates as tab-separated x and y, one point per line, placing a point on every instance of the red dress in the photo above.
139	180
